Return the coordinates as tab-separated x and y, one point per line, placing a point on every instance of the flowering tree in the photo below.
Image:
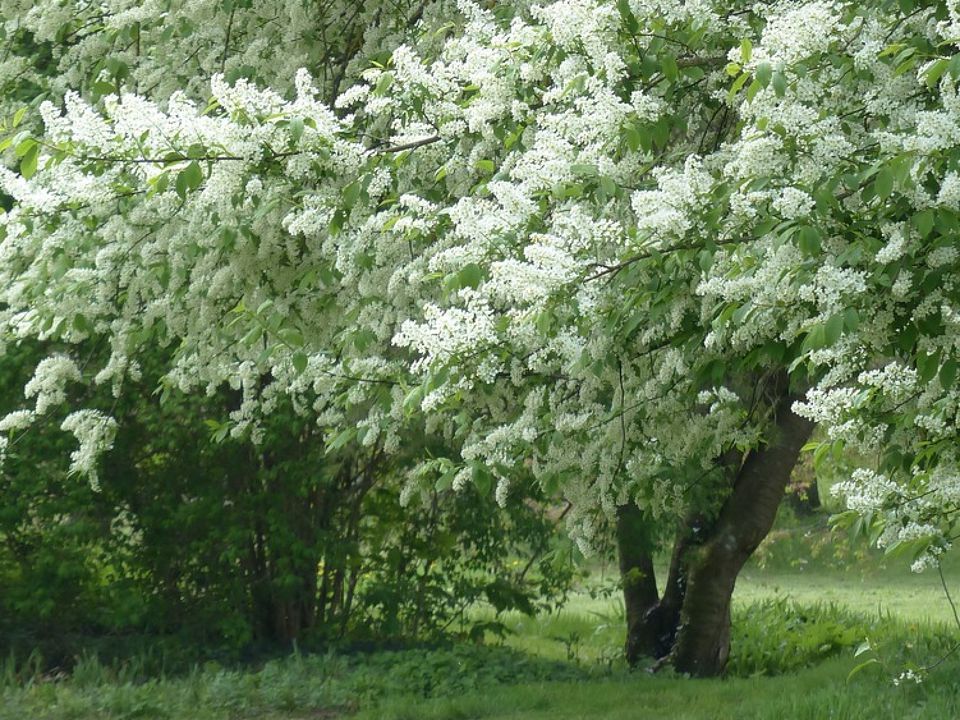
637	248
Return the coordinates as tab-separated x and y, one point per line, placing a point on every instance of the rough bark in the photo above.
703	638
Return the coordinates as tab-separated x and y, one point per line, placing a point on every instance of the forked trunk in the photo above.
703	638
690	625
651	620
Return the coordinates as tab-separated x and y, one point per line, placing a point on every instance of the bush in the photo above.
775	636
240	549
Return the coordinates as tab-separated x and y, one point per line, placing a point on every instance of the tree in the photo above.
615	243
276	535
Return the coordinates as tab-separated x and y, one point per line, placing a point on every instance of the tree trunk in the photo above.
666	616
652	620
640	596
703	639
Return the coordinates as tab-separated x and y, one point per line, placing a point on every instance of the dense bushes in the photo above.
239	546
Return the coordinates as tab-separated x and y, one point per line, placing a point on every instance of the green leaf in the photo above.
23	144
936	71
954	67
630	23
362	339
482	479
81	324
808	239
923	221
661	132
188	179
253	336
413	399
669	65
296	129
446	480
291	337
737	84
383	83
746	51
948	374
102	87
833	329
906	66
341	438
861	666
299	362
851	319
470	275
28	164
486	166
779	84
815	339
741	314
634	136
883	184
584	169
351	193
160	182
544	322
764	73
927	365
118	68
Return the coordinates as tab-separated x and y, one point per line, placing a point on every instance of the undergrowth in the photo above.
772	637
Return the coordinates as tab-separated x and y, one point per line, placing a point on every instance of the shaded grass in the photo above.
796	627
810	646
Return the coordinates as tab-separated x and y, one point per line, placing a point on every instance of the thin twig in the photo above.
413	144
956	619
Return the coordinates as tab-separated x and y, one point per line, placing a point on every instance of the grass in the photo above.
815	694
796	626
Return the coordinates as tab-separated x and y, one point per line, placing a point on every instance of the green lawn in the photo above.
566	665
591	628
814	694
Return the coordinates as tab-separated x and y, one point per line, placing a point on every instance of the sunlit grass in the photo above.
813	694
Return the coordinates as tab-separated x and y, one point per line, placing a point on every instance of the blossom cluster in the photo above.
557	240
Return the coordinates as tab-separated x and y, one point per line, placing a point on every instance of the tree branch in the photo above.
613	269
412	145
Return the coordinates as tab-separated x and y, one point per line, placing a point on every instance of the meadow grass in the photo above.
796	626
814	694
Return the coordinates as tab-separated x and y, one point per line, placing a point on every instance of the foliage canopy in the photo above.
579	237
